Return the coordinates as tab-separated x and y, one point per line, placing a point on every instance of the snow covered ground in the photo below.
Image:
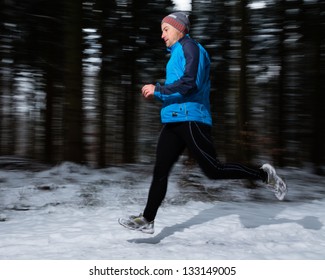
71	211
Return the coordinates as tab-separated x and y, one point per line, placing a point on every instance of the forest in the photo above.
71	74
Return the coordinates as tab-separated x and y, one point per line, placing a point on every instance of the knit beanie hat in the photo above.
179	21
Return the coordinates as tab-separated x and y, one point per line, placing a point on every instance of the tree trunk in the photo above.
73	113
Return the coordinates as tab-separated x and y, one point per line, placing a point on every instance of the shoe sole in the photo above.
282	191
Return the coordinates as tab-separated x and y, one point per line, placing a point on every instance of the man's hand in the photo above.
148	91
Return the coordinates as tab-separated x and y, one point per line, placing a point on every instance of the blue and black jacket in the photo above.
185	95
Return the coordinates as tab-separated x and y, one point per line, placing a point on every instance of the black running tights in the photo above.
173	139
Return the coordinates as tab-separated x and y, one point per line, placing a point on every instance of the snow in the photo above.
70	212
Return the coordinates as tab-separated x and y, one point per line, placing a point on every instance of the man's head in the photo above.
174	27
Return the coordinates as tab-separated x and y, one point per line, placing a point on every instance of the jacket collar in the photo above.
170	49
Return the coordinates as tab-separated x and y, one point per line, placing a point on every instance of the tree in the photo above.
73	81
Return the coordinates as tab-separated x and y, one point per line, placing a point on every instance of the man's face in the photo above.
170	34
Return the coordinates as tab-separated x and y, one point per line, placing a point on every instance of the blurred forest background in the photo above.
71	74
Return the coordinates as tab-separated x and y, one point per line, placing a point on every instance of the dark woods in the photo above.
71	74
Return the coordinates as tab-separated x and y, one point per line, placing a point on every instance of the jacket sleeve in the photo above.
186	84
